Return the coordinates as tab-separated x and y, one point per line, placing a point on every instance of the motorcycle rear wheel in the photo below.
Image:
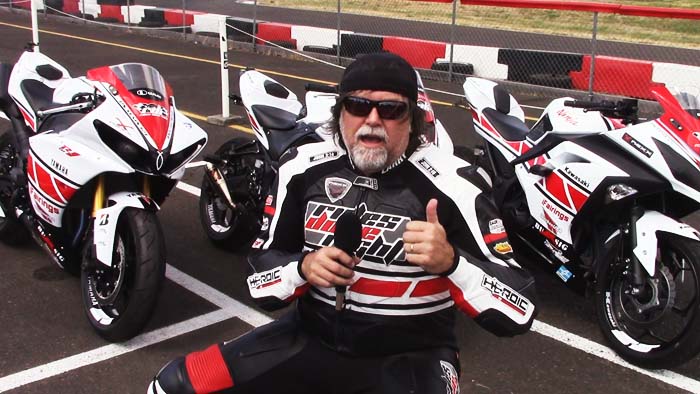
12	232
658	330
119	300
225	227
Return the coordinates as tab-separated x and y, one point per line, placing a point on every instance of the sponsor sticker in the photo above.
322	156
147	93
429	168
496	226
151	109
367	182
503	247
564	273
258	243
637	145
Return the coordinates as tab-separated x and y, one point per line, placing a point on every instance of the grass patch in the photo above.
669	32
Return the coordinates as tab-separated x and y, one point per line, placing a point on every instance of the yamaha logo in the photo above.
159	161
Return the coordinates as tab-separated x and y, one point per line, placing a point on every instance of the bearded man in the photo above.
379	318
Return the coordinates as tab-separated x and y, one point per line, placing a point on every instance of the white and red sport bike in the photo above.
600	196
83	170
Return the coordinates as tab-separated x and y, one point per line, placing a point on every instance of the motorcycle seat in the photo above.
510	127
37	93
274	118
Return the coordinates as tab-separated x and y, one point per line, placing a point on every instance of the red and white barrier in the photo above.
484	60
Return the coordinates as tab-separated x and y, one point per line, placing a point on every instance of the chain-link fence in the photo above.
594	48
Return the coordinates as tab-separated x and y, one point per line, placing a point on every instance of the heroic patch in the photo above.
505	294
337	188
263	279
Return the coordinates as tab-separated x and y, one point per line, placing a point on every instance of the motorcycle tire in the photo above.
12	232
119	301
659	330
228	229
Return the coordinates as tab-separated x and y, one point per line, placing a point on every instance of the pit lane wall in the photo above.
612	75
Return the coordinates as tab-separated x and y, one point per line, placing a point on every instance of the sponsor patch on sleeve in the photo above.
505	294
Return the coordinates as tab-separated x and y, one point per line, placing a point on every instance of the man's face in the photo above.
373	142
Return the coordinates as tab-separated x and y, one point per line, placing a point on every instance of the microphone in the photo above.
347	237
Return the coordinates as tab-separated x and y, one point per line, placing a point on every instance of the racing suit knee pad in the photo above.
172	379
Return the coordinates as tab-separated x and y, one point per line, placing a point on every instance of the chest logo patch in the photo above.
337	188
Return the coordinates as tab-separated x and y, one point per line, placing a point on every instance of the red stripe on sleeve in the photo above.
298	292
207	370
490	238
462	304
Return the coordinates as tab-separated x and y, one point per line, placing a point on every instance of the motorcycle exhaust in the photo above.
42	237
216	179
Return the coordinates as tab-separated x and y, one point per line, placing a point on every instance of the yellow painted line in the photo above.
204	119
197	59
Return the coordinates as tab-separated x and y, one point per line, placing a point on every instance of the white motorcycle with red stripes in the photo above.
83	171
598	196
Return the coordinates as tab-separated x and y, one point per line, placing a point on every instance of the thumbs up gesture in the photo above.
425	243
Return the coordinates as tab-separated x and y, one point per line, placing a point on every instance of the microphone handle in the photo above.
339	297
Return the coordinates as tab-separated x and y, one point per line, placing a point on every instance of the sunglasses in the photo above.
389	110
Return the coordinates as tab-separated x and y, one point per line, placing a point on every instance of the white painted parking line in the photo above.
195	164
583	344
188	188
608	354
229	308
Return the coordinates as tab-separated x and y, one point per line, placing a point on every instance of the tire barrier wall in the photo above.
636	83
554	69
539	67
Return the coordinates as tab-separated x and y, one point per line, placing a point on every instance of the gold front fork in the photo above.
146	186
99	199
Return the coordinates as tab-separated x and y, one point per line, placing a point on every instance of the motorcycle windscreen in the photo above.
681	113
146	94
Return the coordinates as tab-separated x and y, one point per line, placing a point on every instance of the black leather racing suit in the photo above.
394	312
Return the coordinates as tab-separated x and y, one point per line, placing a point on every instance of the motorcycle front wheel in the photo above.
119	300
228	228
657	327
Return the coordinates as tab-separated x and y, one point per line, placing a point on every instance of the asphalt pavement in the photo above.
46	344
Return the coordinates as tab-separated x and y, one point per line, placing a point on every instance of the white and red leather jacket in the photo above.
393	305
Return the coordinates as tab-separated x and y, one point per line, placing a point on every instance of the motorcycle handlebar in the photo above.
625	109
318	87
592	105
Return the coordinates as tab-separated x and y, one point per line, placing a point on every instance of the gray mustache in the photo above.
366	131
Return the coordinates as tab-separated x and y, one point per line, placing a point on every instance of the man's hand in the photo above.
329	267
425	243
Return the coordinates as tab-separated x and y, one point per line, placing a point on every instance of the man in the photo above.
430	241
